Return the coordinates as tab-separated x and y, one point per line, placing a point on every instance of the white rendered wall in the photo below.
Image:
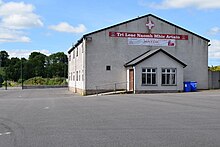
77	64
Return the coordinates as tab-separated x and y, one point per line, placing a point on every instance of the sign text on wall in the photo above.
147	35
152	42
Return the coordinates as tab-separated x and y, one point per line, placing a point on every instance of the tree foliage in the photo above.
3	58
37	65
214	68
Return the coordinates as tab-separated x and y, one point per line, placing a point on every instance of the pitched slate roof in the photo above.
149	54
84	36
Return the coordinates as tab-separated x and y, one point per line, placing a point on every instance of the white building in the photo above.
141	55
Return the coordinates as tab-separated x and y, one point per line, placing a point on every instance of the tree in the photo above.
57	65
36	64
3	58
14	69
214	68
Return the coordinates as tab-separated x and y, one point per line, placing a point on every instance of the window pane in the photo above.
153	70
168	70
173	79
143	70
168	79
163	70
148	78
148	70
143	78
108	67
173	70
153	78
163	79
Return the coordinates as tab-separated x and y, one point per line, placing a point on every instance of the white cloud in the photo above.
19	15
14	18
8	35
17	21
199	4
67	28
214	50
25	53
214	31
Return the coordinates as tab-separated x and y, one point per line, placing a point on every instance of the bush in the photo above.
46	81
35	81
1	79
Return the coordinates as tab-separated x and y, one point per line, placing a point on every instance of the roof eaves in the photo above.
127	64
150	55
174	58
78	42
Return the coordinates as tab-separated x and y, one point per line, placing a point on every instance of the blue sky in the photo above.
50	26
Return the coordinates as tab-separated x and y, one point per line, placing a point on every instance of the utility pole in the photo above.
0	60
6	79
21	75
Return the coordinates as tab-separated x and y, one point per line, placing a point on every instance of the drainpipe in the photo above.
134	80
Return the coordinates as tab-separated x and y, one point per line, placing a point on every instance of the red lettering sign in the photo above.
146	35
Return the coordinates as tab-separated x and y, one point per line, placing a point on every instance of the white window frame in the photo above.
149	72
170	75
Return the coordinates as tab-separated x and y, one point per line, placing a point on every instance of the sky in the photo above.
51	26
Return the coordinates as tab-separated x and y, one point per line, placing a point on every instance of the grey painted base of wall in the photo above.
156	91
77	90
91	91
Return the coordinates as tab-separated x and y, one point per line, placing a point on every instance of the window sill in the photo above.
169	85
149	85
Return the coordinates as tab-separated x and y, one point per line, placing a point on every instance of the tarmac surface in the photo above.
58	118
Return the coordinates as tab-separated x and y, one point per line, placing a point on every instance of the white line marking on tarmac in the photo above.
7	133
47	108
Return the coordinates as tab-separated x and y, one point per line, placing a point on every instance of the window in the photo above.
108	67
70	57
73	54
168	76
77	75
77	52
149	76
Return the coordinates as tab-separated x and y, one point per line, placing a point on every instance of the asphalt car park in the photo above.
56	117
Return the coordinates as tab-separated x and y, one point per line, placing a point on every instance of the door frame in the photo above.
131	79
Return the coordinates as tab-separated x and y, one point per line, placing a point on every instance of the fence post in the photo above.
115	88
96	90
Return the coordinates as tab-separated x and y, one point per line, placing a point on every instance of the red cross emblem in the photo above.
150	24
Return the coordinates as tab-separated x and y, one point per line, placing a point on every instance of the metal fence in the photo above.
111	88
214	80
